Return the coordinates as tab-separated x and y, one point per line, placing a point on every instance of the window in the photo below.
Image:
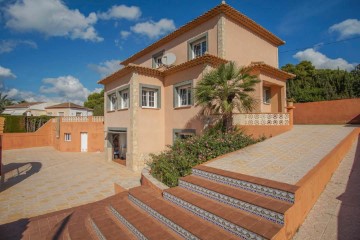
156	59
150	96
198	46
124	96
183	94
266	95
61	114
67	137
78	114
183	133
112	102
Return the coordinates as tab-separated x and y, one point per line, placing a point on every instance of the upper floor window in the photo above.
156	59
183	94
61	114
150	96
112	102
124	95
266	95
198	46
78	114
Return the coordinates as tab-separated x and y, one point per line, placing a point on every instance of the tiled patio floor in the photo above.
336	214
42	180
287	157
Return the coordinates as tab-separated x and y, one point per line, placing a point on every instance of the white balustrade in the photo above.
273	119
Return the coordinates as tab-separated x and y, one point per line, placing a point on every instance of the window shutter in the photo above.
175	95
159	98
107	103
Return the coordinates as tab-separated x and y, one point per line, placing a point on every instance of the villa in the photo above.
149	102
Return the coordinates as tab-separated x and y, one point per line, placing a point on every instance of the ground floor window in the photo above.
183	133
67	137
266	95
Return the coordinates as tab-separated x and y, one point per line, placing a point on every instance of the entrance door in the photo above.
84	142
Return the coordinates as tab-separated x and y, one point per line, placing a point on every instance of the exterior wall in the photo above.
183	117
278	91
243	46
95	131
40	138
150	123
328	112
179	46
36	112
55	111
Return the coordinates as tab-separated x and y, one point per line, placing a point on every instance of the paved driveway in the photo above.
42	180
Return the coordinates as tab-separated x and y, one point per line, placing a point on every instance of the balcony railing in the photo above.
272	119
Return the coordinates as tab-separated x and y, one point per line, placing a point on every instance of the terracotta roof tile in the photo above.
67	105
263	67
222	8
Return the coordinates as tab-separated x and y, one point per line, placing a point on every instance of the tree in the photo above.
4	101
225	89
95	101
312	84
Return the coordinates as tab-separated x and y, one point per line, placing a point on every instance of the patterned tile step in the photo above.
277	190
186	224
265	207
139	222
105	226
240	223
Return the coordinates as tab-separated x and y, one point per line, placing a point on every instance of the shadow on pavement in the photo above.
349	213
14	173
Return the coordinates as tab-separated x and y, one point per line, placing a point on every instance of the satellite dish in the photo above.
168	59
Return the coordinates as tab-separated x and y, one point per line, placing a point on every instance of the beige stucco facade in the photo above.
149	130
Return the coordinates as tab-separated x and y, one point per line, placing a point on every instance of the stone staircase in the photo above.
209	204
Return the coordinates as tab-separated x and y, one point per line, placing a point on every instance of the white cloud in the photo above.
9	45
321	61
106	68
121	11
347	28
154	29
66	87
125	34
52	18
6	73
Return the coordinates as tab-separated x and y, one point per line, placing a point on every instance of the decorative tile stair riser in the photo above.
131	228
264	190
259	211
97	230
179	230
235	229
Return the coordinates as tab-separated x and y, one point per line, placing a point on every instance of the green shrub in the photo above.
14	124
177	161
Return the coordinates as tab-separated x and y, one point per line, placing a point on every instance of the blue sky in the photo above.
52	50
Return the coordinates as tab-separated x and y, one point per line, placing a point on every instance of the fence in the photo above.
262	119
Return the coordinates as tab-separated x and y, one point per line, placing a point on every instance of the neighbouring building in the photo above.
28	109
68	109
149	102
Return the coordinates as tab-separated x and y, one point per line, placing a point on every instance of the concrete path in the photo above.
336	214
287	157
42	180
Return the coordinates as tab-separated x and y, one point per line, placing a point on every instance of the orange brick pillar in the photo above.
290	110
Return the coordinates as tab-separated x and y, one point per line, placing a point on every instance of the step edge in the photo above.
161	218
96	229
290	198
212	218
281	220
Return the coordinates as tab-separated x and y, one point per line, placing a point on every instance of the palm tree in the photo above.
4	101
224	90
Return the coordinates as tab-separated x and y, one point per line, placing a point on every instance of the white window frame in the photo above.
187	95
158	62
148	96
201	42
61	114
124	101
266	97
67	137
112	105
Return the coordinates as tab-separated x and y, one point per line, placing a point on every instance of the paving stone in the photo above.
56	180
